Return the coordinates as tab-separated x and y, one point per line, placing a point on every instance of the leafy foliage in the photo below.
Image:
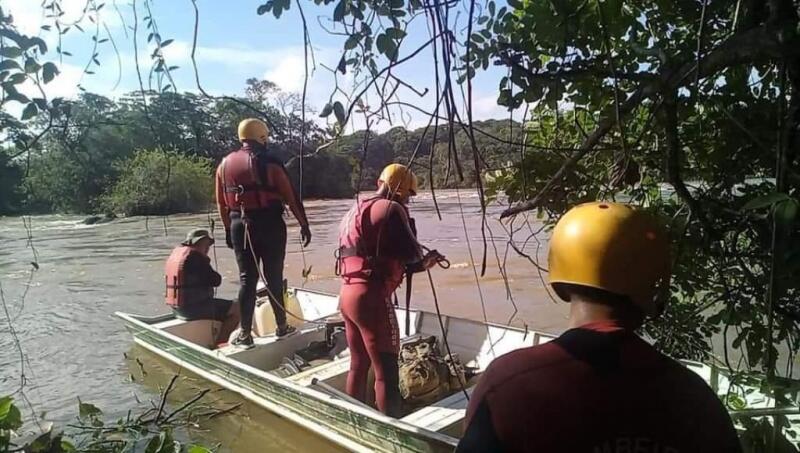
91	433
21	63
154	182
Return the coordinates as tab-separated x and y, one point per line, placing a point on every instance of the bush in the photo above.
157	182
92	433
325	175
10	184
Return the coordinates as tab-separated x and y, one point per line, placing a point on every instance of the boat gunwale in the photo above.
424	434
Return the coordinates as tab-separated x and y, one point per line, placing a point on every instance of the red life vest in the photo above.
357	256
243	182
178	289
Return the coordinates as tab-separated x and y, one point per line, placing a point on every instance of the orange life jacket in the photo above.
178	289
357	256
244	182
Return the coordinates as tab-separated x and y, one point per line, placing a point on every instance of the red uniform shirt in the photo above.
595	389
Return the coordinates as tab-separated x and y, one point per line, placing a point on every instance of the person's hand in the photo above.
228	240
305	235
431	259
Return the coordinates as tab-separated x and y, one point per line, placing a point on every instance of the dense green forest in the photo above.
99	154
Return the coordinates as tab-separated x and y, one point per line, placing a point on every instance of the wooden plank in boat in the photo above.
322	372
441	414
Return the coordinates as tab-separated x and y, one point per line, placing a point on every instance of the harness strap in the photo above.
348	252
255	173
409	279
242	188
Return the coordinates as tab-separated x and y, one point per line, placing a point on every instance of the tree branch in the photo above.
751	46
605	125
674	154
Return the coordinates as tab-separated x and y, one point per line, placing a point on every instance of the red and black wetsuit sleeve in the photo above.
395	237
480	435
279	179
199	272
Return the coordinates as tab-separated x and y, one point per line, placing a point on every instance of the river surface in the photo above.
75	347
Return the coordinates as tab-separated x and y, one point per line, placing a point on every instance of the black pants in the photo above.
267	241
216	309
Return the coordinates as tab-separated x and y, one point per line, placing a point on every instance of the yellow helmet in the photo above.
613	247
253	129
400	179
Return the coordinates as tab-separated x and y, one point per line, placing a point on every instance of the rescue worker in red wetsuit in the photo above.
599	387
377	246
190	282
251	188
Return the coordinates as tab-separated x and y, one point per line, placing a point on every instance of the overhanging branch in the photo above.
752	46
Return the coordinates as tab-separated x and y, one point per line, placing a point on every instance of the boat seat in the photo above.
442	414
323	372
201	332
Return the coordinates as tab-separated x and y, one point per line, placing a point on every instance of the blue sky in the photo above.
234	44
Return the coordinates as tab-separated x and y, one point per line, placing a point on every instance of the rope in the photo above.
279	302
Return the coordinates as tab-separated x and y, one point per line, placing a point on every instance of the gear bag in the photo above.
425	375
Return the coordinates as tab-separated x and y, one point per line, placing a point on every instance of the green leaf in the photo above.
342	66
16	79
67	447
504	98
766	200
87	410
6	65
31	66
10	52
386	46
326	111
12	35
30	111
198	449
264	9
14	95
38	42
380	43
516	4
277	9
10	417
396	4
166	42
49	72
786	214
338	110
395	33
352	41
340	10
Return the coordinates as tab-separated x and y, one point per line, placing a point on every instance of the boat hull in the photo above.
344	424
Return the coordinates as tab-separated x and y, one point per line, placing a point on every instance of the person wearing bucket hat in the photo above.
599	387
190	281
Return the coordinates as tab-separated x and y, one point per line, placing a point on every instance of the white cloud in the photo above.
288	73
66	84
485	107
29	15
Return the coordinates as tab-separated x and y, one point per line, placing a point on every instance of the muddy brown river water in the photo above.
75	347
